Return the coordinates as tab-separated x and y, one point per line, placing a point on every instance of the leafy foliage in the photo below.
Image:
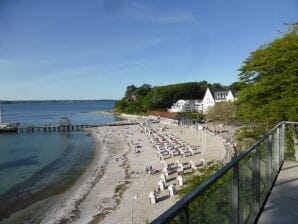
129	90
237	86
271	76
142	91
276	58
215	200
290	147
196	179
193	115
223	111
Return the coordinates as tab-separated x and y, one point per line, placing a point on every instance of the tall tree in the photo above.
142	90
222	111
271	76
237	86
129	90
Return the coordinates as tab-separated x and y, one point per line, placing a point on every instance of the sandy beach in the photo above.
116	184
115	187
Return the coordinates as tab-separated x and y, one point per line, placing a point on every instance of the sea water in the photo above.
34	166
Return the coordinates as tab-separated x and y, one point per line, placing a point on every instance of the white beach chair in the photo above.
152	196
180	180
172	190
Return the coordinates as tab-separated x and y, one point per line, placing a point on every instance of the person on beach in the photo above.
149	170
161	185
180	171
163	177
177	162
166	173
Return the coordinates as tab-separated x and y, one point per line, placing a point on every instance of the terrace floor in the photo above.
282	204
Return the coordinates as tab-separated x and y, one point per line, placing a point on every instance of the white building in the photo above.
212	97
186	106
165	117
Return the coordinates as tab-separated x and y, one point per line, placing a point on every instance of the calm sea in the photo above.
34	166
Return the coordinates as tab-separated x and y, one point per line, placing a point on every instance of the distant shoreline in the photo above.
51	101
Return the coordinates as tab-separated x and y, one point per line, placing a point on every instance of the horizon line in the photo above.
51	100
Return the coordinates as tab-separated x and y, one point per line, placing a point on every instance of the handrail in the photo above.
184	202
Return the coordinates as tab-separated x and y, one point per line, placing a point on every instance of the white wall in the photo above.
208	100
230	96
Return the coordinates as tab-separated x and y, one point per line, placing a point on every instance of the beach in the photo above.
115	186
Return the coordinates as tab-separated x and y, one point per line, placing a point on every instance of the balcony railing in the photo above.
237	192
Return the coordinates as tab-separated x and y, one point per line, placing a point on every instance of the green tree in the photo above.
129	90
217	86
142	90
237	86
222	111
121	105
276	58
133	108
271	76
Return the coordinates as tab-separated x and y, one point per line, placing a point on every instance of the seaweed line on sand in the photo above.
75	212
118	192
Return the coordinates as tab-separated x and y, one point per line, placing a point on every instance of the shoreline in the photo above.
53	178
65	208
38	211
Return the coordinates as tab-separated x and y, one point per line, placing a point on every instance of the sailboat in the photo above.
6	127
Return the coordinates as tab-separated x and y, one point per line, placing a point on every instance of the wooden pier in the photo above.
68	128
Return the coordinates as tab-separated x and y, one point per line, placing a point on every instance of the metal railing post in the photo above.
282	142
184	215
277	143
269	159
257	179
235	193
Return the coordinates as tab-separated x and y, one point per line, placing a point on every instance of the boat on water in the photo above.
7	127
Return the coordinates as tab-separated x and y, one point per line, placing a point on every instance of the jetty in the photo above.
63	126
70	127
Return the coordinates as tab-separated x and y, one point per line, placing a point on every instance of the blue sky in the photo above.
93	49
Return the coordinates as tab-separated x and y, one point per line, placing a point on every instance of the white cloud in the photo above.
144	12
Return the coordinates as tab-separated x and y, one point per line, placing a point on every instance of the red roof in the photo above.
164	114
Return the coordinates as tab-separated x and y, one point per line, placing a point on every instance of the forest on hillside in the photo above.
147	98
